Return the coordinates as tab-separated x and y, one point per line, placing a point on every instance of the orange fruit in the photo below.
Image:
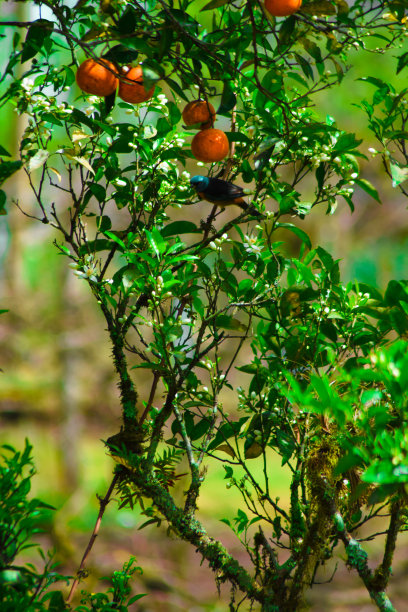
210	145
131	88
282	8
199	111
93	77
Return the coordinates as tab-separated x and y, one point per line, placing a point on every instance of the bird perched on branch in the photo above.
221	193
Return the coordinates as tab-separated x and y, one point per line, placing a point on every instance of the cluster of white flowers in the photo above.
87	270
216	245
252	245
160	104
165	166
207	364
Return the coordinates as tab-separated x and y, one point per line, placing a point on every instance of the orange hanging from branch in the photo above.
97	77
210	145
131	86
199	112
282	8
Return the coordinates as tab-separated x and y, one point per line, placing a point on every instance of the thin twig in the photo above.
102	507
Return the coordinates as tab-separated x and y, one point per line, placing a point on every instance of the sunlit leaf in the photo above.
55	171
37	160
399	175
78	135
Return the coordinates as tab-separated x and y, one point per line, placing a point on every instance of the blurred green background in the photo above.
58	387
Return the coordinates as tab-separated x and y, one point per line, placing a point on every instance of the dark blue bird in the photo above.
221	193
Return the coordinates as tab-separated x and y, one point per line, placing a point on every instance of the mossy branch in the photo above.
357	557
383	572
191	530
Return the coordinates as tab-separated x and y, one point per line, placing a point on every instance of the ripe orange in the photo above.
93	77
210	145
134	92
199	111
282	8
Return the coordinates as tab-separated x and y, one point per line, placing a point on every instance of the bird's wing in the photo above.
219	190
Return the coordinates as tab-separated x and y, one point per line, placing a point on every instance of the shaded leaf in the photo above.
214	4
402	61
4	153
296	230
8	168
121	55
228	99
3	199
320	7
37	33
253	451
127	21
180	227
225	448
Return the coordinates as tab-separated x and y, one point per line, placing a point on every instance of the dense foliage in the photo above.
189	299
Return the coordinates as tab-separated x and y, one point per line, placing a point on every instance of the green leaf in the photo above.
152	72
120	54
37	34
225	448
226	431
296	230
376	82
174	113
227	322
3	199
402	61
228	100
116	239
166	39
103	223
368	188
372	291
98	191
128	20
253	451
179	227
312	49
319	7
4	153
305	66
214	4
346	142
176	87
37	160
156	242
49	118
136	598
94	246
8	168
238	137
399	175
57	602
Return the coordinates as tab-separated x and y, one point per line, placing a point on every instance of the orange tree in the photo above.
324	364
